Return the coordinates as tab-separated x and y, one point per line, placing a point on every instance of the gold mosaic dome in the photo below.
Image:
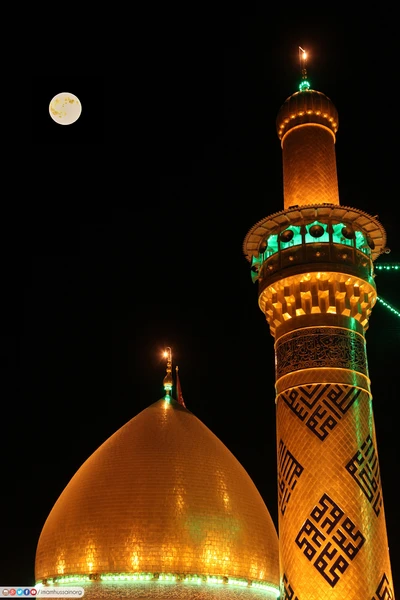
307	106
162	500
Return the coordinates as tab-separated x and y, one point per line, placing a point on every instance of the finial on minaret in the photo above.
305	84
168	381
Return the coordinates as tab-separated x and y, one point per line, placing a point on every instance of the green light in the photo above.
304	85
296	239
361	242
310	239
388	267
213	579
242	582
388	306
170	577
193	579
272	247
267	588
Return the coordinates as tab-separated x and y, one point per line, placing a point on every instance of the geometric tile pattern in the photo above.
289	471
331	375
364	468
308	156
384	591
320	406
287	592
324	475
314	347
329	539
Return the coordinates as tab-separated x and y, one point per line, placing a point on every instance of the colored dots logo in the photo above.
18	591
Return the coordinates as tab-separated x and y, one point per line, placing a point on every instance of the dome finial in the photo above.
305	84
168	381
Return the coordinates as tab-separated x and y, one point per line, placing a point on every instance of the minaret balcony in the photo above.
312	257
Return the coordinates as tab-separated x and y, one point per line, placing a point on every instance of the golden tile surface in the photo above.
161	495
332	530
308	155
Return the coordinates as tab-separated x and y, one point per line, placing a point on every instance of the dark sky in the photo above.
123	234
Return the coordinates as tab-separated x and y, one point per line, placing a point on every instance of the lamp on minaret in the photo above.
314	265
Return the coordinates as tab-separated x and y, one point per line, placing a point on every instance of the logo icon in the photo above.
33	592
5	592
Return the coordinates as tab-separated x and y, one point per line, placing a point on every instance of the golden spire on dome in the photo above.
168	381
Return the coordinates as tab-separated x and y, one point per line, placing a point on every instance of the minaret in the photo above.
314	263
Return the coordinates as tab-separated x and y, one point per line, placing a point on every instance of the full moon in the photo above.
65	108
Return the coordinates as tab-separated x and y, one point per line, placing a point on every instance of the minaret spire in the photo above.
305	84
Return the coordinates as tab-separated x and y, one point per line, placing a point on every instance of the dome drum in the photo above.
172	590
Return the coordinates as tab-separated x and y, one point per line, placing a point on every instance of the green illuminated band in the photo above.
171	577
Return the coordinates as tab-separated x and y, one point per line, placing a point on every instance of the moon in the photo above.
65	108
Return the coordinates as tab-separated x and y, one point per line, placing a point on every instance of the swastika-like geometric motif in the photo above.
384	591
287	590
364	468
329	539
320	347
320	406
289	471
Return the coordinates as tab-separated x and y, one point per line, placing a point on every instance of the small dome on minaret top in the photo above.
307	106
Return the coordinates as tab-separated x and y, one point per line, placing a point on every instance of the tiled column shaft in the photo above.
332	532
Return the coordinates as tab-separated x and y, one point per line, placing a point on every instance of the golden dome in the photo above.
162	495
308	106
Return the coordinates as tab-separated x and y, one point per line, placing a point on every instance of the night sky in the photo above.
124	235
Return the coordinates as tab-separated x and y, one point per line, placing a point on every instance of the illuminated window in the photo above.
317	232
